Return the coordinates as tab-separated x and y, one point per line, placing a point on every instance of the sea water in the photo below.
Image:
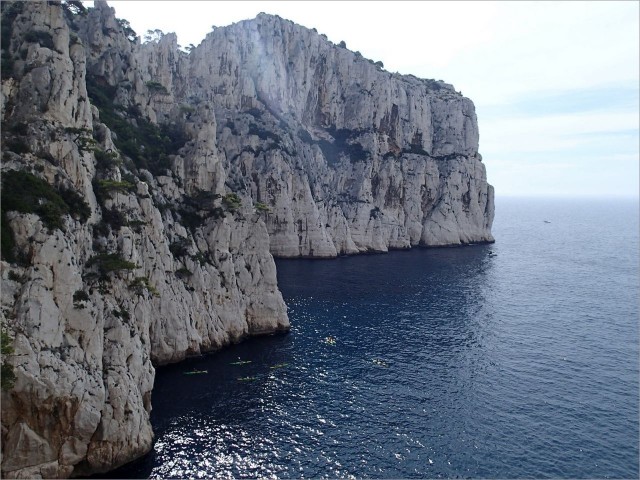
517	359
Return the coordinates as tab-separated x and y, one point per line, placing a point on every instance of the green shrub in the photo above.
83	138
113	185
51	215
131	35
146	143
110	262
78	208
262	207
77	131
201	200
156	87
79	297
202	258
106	160
121	313
140	284
101	94
100	229
24	192
173	137
13	276
198	207
137	225
7	375
183	273
232	201
114	218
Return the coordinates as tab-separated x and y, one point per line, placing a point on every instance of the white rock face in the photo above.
84	368
349	157
285	145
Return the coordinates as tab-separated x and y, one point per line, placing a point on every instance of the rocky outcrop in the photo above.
348	157
145	191
147	277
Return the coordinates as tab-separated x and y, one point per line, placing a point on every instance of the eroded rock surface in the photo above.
86	334
348	157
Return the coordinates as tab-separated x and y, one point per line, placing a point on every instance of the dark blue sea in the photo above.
512	360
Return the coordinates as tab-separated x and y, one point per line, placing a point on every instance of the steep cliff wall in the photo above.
144	191
150	269
348	157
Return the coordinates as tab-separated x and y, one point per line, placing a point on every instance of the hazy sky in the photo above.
555	84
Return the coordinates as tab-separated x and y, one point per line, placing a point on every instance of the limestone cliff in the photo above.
348	157
152	268
145	189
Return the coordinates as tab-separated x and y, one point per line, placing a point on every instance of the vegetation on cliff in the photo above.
7	375
148	145
26	193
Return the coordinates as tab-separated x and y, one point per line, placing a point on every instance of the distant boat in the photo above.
195	372
279	365
382	363
547	221
240	362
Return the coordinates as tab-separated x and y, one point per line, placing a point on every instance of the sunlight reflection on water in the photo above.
508	360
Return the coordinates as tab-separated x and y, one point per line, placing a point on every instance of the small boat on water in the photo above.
240	362
330	340
279	365
196	372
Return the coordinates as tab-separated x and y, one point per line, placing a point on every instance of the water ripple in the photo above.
447	363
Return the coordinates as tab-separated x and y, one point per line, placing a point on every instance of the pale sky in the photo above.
555	84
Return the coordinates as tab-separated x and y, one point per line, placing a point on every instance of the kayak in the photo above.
240	362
